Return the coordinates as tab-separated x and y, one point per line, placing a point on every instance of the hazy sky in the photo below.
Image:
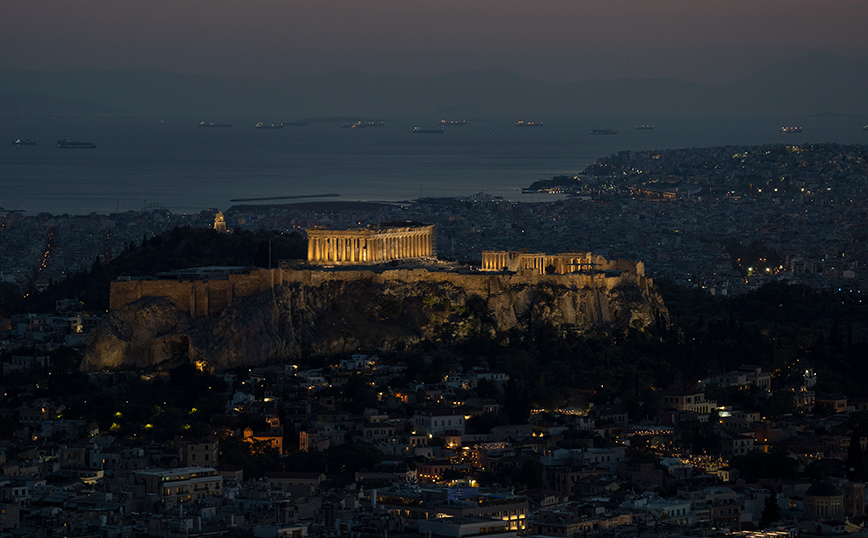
555	40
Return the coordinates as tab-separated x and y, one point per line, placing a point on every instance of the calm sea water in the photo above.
187	168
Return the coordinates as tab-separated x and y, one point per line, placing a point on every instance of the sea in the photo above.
175	164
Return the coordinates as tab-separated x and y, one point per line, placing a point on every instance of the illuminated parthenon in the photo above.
371	245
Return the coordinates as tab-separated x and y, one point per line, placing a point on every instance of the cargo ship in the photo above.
261	125
453	123
522	123
362	124
212	124
420	130
791	130
23	142
603	132
644	127
71	144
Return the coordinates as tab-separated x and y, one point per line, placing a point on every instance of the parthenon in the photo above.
371	245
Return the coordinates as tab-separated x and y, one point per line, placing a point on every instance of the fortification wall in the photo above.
128	291
196	297
211	297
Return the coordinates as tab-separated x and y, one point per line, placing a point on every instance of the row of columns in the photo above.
369	248
515	261
496	261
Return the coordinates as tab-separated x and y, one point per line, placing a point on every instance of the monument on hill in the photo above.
349	296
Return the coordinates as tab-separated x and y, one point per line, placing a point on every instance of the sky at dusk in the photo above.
708	41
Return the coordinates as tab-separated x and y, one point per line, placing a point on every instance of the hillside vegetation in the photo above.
179	249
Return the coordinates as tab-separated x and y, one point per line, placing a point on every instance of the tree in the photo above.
854	457
531	474
10	299
357	395
777	464
771	511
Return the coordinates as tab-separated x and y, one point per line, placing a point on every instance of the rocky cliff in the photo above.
325	313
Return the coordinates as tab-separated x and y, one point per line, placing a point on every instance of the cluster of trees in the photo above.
180	248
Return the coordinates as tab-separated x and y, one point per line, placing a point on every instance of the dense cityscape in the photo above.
742	412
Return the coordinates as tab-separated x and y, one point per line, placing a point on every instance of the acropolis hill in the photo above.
362	289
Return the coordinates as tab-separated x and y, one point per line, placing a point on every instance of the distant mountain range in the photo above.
811	84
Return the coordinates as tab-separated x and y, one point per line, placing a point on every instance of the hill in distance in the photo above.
810	84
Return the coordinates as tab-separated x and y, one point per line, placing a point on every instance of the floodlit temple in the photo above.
220	223
375	244
558	264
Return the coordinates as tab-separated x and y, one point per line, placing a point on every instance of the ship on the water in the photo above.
603	132
644	127
23	142
419	130
72	144
865	127
453	123
791	130
212	124
362	124
261	125
522	123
